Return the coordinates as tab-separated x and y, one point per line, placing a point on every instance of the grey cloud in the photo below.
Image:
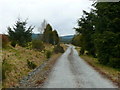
61	14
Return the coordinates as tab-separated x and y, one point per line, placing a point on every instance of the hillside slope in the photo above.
16	63
66	39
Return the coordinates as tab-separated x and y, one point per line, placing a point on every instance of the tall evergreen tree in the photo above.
86	29
46	33
107	32
50	36
100	32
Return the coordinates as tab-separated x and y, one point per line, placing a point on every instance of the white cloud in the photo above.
61	14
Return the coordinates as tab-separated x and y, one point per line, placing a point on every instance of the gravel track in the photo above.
70	71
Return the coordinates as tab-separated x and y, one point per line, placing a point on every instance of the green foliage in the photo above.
58	49
86	30
29	46
55	37
48	54
46	33
82	51
31	65
50	36
100	33
37	45
115	62
107	32
104	45
77	40
13	43
20	33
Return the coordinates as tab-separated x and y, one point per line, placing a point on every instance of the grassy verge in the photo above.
16	63
64	46
38	79
16	66
107	71
46	70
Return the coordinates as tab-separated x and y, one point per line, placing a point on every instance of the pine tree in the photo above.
100	32
46	33
20	34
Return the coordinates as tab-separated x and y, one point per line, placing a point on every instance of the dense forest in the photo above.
98	33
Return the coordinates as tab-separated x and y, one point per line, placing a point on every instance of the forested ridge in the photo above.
98	33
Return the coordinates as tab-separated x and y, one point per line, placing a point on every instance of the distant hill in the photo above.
66	39
34	36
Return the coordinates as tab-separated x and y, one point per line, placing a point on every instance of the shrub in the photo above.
13	43
31	65
20	33
58	49
115	62
82	51
48	54
29	45
5	40
38	45
103	58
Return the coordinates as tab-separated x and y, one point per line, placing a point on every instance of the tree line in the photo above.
21	34
98	33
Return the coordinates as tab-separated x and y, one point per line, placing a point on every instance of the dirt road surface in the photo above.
70	71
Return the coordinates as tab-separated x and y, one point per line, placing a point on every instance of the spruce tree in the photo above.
20	34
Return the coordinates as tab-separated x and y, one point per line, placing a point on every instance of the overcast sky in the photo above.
61	14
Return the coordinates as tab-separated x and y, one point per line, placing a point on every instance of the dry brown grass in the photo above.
64	46
17	58
38	79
